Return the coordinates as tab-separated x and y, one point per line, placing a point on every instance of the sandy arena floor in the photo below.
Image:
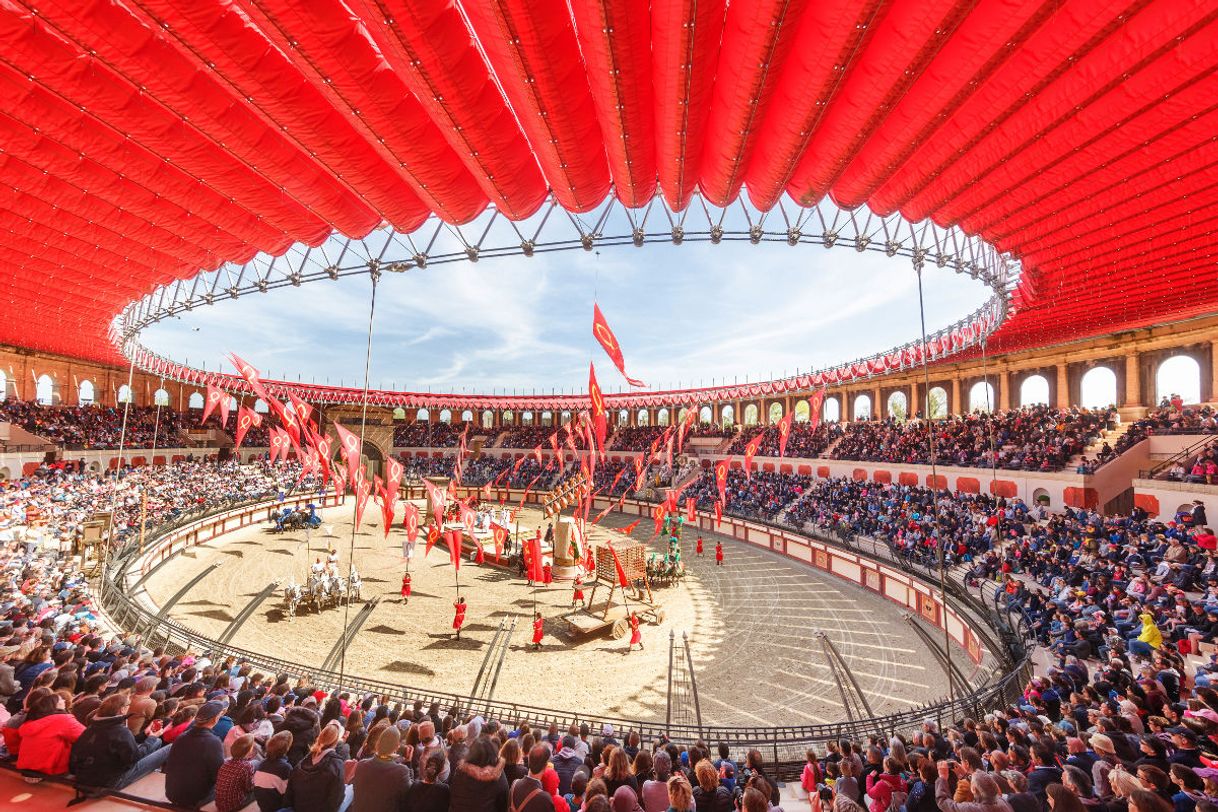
750	624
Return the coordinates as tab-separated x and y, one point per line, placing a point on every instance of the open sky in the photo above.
683	314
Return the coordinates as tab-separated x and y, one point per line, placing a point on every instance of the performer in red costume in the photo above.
636	636
459	618
547	574
699	545
718	553
538	623
578	598
406	588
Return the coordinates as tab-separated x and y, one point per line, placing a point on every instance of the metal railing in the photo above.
785	744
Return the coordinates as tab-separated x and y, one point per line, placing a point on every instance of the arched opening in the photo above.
467	416
862	407
642	419
398	413
547	418
422	416
803	412
3	474
196	401
938	403
662	418
232	404
706	415
751	414
682	415
1034	391
124	394
623	417
526	418
981	397
898	406
566	417
85	394
3	386
1179	375
831	411
1098	388
446	416
44	390
1041	497
261	407
728	416
775	416
507	418
488	419
160	398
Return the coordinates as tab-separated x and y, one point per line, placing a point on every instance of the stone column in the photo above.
955	407
877	409
915	405
1004	390
1133	380
1063	386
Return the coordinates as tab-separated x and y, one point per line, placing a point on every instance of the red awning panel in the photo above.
143	141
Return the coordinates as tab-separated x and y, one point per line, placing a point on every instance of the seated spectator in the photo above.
107	754
235	780
271	777
316	783
382	782
194	760
47	736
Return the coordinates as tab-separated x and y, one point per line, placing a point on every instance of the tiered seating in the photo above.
803	441
100	427
1033	438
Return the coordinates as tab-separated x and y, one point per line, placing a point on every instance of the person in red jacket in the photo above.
881	787
636	636
47	736
718	553
699	549
406	588
538	631
459	617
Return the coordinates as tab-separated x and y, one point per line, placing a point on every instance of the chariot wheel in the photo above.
618	631
657	615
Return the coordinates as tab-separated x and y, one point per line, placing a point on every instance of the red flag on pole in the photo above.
499	534
628	529
246	419
411	522
657	516
436	497
617	565
349	445
536	569
279	443
691	509
608	341
433	536
363	489
721	477
599	423
216	398
784	432
816	404
251	376
393	478
454	547
750	450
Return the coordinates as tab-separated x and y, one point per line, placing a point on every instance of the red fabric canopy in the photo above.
141	142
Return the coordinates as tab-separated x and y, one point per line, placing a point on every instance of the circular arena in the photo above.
598	405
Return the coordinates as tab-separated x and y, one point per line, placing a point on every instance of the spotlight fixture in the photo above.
332	271
262	286
755	233
527	247
636	237
295	278
472	253
420	260
716	234
233	292
587	241
891	247
861	242
793	235
829	238
678	235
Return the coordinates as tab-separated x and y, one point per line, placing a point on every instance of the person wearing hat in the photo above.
1105	763
194	760
1184	740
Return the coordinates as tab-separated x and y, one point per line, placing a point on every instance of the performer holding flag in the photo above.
718	553
459	618
699	544
577	599
636	635
406	587
538	631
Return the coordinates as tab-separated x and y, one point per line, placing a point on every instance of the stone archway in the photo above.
378	433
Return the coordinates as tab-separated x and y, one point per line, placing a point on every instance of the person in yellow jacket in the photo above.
1149	639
